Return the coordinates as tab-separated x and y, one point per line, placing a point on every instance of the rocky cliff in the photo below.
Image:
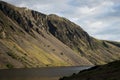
32	39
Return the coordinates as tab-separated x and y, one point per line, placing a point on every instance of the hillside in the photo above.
109	71
32	39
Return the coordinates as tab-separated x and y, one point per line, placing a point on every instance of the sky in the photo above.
100	18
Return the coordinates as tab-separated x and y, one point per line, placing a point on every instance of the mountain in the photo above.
109	71
32	39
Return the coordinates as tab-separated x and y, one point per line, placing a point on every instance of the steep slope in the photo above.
31	39
24	41
96	51
109	71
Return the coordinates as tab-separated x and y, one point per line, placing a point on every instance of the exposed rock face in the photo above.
33	39
69	33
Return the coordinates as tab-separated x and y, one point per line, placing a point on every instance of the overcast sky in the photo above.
100	18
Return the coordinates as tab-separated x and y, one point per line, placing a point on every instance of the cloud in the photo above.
100	18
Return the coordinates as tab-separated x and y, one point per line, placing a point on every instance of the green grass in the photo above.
109	71
9	66
11	54
114	43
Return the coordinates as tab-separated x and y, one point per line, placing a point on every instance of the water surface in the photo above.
51	73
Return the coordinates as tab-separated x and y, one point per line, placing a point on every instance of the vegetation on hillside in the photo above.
109	71
32	39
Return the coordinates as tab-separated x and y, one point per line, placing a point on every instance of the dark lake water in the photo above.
51	73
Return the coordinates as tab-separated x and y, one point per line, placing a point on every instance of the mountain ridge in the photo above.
49	36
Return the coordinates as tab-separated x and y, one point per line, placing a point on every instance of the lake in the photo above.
49	73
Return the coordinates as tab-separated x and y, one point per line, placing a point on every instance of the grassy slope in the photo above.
109	71
20	48
33	39
96	51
